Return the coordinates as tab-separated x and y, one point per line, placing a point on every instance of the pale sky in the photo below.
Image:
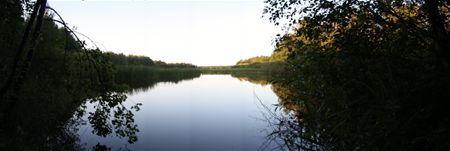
202	32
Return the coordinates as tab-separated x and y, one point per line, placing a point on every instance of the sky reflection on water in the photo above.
212	112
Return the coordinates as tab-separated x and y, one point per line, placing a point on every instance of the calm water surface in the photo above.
212	112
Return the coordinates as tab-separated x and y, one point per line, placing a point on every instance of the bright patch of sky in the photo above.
205	32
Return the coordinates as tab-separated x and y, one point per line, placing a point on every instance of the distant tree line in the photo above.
122	59
174	65
253	60
280	54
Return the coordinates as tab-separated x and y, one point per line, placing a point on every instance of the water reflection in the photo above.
287	127
213	112
53	121
190	112
141	82
283	121
208	113
113	116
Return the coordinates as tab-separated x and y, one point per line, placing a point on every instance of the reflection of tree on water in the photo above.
308	123
41	123
144	78
41	129
289	132
287	127
111	116
261	79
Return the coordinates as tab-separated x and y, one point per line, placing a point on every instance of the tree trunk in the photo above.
442	38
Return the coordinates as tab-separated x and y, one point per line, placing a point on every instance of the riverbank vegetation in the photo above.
369	75
361	75
143	72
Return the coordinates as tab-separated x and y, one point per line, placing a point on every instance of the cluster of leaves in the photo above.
122	121
367	71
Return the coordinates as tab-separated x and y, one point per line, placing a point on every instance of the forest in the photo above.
367	75
353	75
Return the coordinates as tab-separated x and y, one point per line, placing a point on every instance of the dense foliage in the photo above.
46	75
369	75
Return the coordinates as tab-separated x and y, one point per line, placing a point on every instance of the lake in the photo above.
210	112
